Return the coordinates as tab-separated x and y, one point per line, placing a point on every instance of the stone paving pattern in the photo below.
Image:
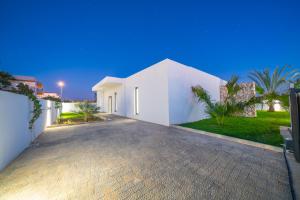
128	159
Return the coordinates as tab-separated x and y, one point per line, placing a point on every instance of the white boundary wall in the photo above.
264	106
70	107
15	114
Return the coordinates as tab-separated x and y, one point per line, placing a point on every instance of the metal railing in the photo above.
295	121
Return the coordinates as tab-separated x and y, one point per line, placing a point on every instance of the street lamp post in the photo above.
61	84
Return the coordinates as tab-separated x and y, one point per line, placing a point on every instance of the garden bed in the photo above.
72	118
264	128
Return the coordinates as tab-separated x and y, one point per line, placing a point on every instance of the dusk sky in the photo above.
80	42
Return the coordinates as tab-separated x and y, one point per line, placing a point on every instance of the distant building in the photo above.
32	82
49	94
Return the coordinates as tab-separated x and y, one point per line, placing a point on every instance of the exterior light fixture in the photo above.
61	84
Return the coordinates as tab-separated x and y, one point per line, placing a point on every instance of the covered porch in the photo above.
109	93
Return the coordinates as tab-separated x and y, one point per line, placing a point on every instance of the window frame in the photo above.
110	109
136	101
116	107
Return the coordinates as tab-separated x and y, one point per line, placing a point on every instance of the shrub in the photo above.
87	109
229	107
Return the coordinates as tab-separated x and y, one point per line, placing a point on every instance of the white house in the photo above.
160	93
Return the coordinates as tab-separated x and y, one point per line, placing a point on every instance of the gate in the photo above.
295	120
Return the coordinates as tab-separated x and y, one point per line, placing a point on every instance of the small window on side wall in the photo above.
136	100
116	102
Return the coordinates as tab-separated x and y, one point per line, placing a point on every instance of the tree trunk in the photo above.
85	117
271	107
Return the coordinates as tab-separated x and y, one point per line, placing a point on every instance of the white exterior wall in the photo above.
15	114
100	100
110	91
153	94
183	106
165	95
70	107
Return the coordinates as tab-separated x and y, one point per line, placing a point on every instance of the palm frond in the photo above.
267	79
202	95
232	87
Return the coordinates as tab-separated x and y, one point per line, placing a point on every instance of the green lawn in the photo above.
75	118
264	128
71	115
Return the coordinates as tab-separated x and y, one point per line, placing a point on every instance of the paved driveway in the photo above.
127	159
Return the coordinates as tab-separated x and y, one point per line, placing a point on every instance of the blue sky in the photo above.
80	42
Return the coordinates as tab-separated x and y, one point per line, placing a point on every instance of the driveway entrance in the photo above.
128	159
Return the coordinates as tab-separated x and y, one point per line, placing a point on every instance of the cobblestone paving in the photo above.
127	159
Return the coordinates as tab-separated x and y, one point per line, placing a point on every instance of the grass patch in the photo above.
264	128
69	118
71	115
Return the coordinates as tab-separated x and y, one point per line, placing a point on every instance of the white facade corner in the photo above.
164	93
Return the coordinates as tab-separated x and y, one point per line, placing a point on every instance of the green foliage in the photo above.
87	109
75	118
232	88
232	106
297	84
52	98
58	105
229	107
25	90
268	85
5	79
202	95
71	115
264	128
217	111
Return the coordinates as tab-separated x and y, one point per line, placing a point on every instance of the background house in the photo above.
160	93
32	82
49	94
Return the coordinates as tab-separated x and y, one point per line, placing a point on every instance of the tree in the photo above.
229	107
5	79
87	109
215	110
297	84
270	87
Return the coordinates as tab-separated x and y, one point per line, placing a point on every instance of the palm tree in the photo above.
229	106
271	86
5	79
87	109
